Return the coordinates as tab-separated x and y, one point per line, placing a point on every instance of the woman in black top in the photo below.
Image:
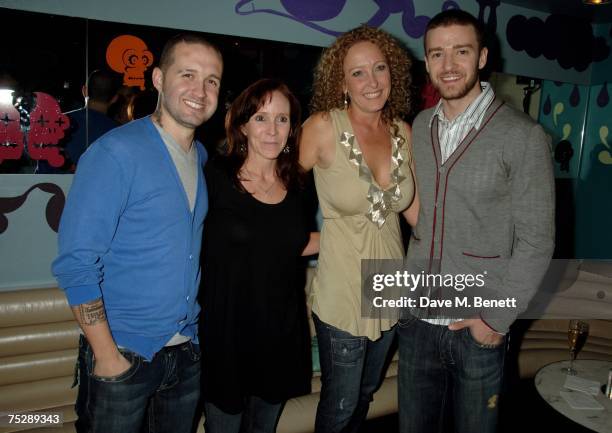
255	337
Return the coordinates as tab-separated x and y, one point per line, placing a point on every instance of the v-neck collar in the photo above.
179	184
350	142
381	200
469	138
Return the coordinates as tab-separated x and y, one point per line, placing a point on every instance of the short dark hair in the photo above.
167	55
244	106
102	85
459	17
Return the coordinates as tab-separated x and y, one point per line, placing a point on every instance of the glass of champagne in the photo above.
576	337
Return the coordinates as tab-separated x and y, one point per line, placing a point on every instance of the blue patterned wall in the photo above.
563	111
594	187
579	119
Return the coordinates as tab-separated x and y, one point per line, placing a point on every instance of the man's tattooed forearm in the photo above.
92	312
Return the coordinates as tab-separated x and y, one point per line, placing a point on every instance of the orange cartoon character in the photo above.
129	56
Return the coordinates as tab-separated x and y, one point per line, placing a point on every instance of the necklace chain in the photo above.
252	178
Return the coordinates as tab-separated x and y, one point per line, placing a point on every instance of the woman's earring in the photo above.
345	100
286	149
243	148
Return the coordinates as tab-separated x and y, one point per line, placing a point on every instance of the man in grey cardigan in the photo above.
486	190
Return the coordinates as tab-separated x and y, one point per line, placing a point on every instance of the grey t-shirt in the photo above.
186	164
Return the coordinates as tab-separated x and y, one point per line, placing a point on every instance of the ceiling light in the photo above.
595	2
6	97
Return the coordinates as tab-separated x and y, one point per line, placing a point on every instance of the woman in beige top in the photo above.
361	154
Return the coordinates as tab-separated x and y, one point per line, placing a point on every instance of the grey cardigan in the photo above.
489	206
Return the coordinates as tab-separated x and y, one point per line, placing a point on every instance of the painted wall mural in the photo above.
53	210
577	118
312	13
568	40
30	210
130	56
593	203
31	124
603	100
563	115
604	156
598	139
526	38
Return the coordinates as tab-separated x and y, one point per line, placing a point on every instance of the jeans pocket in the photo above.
193	351
132	358
347	351
471	340
406	322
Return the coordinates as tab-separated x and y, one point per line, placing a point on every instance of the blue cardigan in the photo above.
127	234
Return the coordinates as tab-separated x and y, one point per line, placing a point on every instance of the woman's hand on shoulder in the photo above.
317	142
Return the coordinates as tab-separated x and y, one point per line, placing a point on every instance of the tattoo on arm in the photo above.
92	313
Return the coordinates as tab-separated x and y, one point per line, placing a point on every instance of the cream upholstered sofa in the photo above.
38	348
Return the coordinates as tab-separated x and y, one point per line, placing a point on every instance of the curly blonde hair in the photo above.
328	76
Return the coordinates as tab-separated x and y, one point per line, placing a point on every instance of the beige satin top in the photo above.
360	221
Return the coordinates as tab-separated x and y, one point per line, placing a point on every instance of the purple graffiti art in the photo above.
317	10
308	13
314	10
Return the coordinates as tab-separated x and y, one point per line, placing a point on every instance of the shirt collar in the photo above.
474	113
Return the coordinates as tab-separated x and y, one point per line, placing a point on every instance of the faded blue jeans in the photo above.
352	369
440	369
160	396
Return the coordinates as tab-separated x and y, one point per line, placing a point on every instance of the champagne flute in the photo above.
576	337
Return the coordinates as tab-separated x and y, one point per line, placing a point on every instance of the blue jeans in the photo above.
259	416
158	396
351	371
441	370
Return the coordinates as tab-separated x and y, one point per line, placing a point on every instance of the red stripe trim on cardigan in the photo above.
451	167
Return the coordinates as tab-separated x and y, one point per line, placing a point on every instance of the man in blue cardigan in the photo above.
129	248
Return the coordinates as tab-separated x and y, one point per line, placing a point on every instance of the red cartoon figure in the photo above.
11	136
129	56
47	127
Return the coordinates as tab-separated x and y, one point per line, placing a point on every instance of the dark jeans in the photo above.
160	396
351	371
259	416
440	369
